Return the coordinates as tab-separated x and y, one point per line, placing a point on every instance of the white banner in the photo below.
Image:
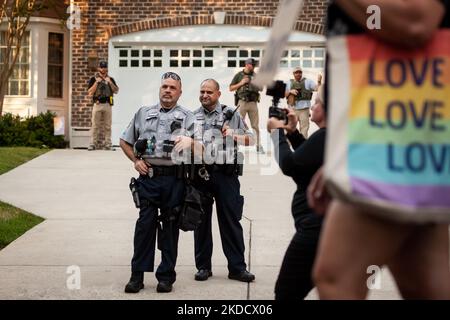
284	21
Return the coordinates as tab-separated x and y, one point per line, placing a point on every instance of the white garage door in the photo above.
137	67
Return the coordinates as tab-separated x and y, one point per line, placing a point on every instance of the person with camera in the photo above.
295	280
102	87
220	129
299	92
152	139
247	96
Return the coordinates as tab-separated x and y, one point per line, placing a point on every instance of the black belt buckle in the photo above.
164	171
103	99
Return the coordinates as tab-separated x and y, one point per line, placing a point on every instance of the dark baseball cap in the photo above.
250	61
103	64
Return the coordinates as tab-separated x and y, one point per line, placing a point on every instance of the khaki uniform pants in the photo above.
251	108
98	110
303	120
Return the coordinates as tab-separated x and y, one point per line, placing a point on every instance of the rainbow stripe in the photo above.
393	153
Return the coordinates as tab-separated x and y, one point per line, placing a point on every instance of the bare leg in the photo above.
351	241
421	269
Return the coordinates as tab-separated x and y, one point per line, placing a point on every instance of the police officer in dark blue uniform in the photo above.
166	129
218	178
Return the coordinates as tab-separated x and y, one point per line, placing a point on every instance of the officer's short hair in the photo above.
216	84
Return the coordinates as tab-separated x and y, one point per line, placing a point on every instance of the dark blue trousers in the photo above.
225	190
163	193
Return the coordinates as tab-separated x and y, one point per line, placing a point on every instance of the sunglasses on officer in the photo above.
171	75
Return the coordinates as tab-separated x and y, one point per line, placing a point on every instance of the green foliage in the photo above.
14	222
11	157
35	131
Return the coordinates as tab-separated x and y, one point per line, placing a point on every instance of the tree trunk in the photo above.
2	96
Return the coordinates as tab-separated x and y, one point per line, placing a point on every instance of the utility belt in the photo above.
203	171
302	99
228	169
104	100
156	171
216	167
249	99
249	96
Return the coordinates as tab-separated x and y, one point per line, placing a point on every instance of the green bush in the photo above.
35	131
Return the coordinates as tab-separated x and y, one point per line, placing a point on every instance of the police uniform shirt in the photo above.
209	124
154	124
309	85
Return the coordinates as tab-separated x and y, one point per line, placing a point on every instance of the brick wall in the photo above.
103	18
55	9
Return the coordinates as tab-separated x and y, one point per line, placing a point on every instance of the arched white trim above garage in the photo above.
211	34
137	60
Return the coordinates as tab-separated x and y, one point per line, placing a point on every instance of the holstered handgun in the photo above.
135	193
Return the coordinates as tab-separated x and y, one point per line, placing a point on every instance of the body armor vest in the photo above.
303	93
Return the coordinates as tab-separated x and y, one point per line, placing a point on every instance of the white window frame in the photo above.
179	58
19	64
152	58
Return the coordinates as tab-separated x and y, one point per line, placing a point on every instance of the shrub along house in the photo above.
142	39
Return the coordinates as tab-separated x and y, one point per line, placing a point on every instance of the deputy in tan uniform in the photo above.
299	92
248	97
102	87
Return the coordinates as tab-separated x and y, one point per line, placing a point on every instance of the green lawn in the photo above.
13	221
11	157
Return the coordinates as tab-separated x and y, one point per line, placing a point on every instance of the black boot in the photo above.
136	282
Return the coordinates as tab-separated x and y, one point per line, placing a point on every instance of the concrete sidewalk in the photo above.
90	219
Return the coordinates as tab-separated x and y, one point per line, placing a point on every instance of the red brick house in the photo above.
141	39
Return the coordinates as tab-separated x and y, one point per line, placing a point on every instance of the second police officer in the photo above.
218	178
160	128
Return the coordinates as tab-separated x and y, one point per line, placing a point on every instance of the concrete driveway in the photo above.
89	226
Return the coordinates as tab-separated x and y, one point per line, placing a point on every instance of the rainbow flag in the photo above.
392	108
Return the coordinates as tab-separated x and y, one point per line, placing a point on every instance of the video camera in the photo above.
277	91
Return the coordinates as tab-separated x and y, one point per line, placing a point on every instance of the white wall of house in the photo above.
37	100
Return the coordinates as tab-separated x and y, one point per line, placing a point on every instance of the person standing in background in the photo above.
299	92
102	87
